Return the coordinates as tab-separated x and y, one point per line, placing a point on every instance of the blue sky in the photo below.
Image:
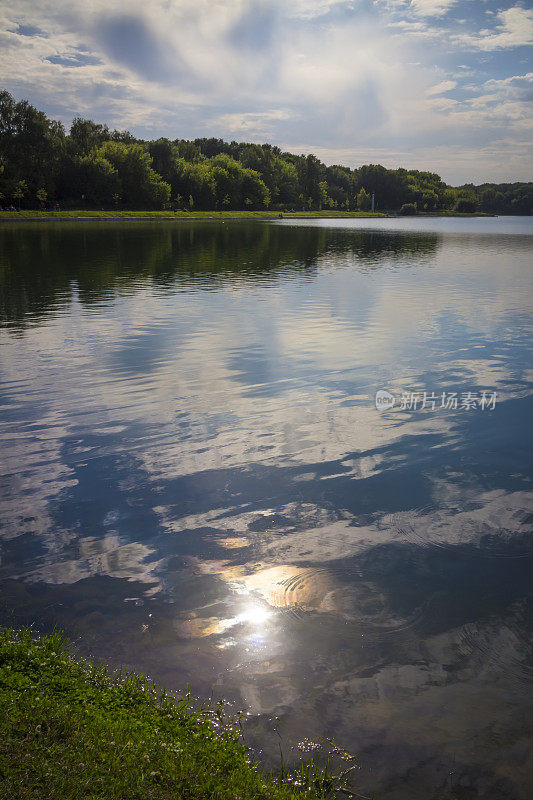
444	85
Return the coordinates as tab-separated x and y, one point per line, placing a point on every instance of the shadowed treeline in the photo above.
43	267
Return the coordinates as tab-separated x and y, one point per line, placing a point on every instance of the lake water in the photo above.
195	480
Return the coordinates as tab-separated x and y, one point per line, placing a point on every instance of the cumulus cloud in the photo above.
431	8
443	86
514	29
259	122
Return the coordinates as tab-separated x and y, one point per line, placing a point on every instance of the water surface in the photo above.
195	480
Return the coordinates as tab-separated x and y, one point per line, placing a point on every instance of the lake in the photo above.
195	480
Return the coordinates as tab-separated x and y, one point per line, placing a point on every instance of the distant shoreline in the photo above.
214	215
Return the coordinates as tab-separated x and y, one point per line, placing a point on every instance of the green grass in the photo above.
70	730
454	214
91	214
180	214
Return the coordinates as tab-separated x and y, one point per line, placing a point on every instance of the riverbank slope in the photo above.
71	730
187	215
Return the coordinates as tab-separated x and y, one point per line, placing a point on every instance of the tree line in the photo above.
91	166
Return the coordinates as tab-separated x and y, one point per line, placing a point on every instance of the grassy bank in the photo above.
180	215
86	214
71	730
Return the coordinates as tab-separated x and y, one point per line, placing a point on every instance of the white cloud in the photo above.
431	8
307	9
512	82
515	29
443	86
256	124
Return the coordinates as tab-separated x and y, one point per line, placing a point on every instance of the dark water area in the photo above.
195	480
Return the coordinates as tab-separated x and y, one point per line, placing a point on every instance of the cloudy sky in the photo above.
431	84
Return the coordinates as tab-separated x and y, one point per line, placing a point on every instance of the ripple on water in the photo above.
299	591
496	651
498	528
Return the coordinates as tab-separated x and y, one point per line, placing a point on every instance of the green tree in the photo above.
19	191
86	135
426	189
340	182
253	188
363	200
325	200
285	182
194	179
31	146
164	155
466	205
96	180
226	173
311	172
389	186
187	150
140	185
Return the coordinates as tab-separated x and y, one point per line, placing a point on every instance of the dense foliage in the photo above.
93	167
